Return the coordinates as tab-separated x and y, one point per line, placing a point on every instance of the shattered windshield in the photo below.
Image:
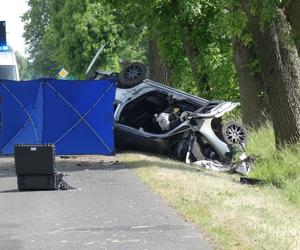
8	72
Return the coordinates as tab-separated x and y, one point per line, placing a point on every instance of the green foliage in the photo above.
70	33
92	26
265	9
36	20
40	49
197	25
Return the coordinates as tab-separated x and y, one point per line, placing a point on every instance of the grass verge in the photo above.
278	168
235	216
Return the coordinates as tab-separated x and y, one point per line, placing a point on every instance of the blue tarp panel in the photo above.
76	116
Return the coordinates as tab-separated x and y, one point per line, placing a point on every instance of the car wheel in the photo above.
132	74
234	133
91	75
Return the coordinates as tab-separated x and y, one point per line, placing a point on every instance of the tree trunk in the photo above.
292	11
280	66
253	103
201	78
159	71
191	53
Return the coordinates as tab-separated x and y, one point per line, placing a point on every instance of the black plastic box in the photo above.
39	182
35	167
35	159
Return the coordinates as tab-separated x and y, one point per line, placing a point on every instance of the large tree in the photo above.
67	33
159	70
280	67
292	11
36	21
252	91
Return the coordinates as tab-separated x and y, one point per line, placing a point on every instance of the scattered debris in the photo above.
252	181
64	157
68	157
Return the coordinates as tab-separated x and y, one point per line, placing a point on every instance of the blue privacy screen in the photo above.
76	116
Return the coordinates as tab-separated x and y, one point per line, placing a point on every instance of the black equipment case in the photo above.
39	182
35	167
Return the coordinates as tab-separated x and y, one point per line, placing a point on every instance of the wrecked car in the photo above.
156	118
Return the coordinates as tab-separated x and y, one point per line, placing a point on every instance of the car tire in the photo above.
234	133
132	74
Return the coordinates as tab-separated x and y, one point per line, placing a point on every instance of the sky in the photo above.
11	12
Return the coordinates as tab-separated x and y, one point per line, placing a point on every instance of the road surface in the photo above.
109	208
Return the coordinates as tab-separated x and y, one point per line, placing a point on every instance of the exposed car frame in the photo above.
155	141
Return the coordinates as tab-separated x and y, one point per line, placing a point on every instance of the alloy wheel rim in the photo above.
235	134
133	73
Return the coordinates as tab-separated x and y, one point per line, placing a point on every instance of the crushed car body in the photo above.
156	118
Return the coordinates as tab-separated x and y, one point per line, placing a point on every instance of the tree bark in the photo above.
292	11
253	103
159	70
200	78
280	66
191	53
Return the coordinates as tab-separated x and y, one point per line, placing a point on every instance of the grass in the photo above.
278	168
231	215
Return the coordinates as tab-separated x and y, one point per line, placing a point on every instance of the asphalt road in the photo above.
110	208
